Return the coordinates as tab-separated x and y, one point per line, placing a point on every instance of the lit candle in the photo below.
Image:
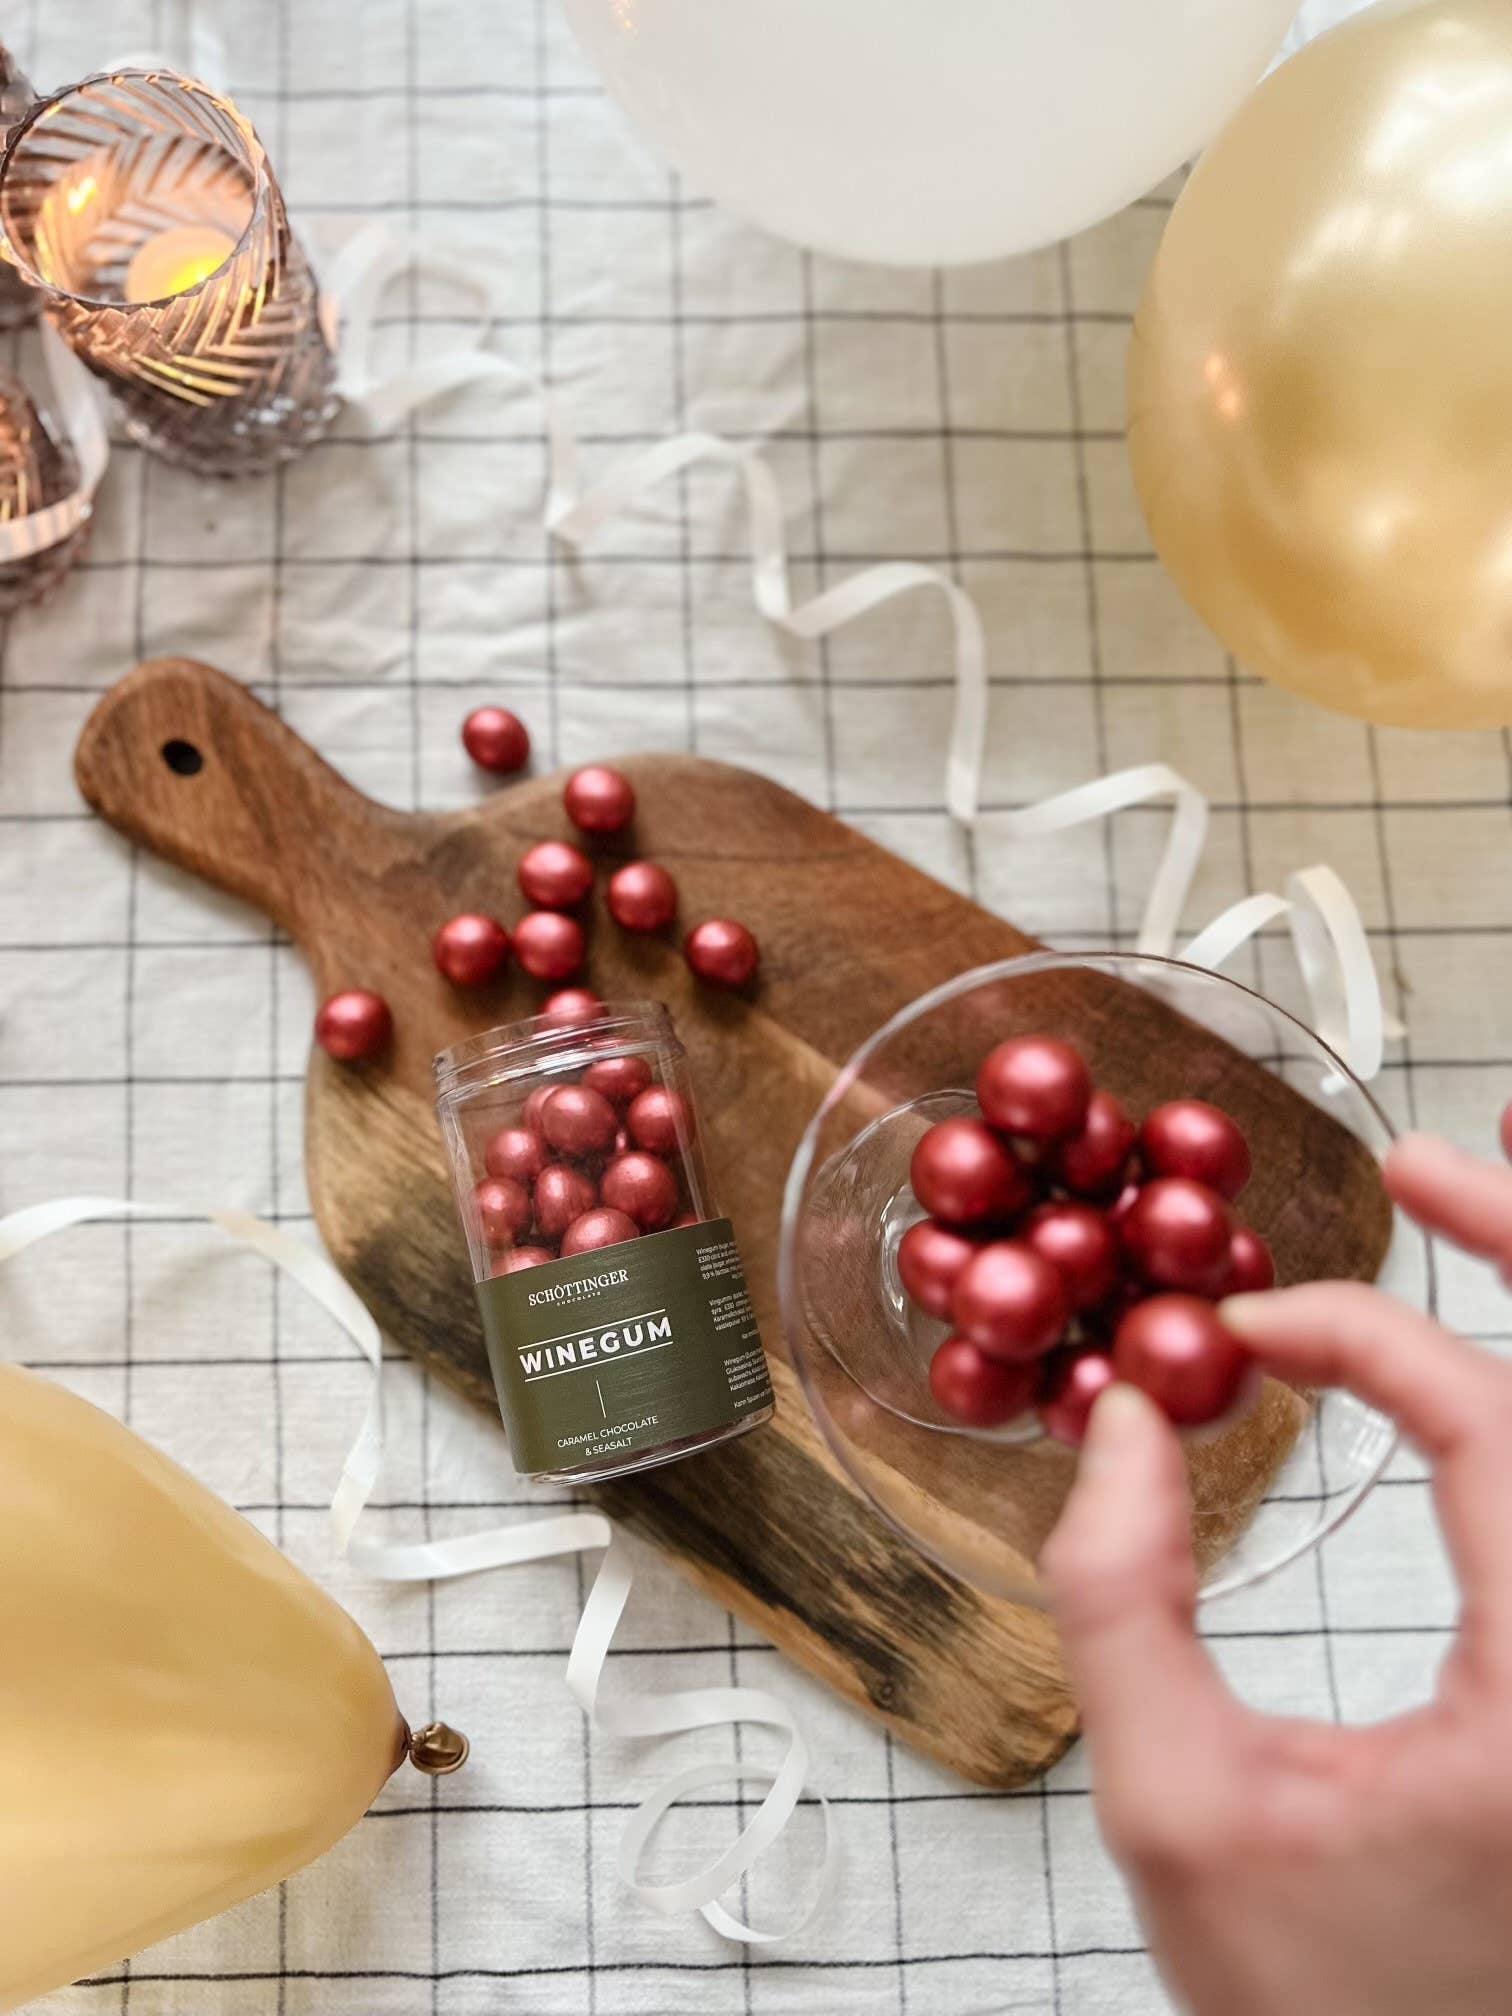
175	261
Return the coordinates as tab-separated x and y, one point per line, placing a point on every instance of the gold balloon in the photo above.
1320	382
186	1717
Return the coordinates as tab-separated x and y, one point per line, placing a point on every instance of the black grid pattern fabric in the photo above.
153	1035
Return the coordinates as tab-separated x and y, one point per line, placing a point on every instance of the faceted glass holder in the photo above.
143	208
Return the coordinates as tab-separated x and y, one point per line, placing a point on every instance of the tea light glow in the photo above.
175	261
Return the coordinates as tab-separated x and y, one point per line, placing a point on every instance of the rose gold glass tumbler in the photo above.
143	208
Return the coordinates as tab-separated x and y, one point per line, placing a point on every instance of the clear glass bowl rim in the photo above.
802	1164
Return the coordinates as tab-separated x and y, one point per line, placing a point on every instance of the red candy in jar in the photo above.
496	740
1188	1137
561	1194
1178	1233
516	1152
722	953
1010	1302
1037	1086
620	1079
643	1187
598	1228
470	949
1094	1161
530	1112
964	1174
576	1120
571	1008
981	1391
519	1257
353	1025
1073	1380
1081	1245
930	1259
1175	1349
554	875
642	897
660	1119
548	945
503	1209
598	799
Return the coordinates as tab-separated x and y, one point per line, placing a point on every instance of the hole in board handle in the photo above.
183	759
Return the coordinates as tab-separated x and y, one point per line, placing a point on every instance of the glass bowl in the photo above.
1266	1487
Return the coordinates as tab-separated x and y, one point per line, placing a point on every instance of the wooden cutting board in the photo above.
186	762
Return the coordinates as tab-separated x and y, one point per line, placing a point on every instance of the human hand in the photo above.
1283	1867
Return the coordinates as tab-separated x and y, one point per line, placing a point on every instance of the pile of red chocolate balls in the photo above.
555	877
1067	1247
590	1161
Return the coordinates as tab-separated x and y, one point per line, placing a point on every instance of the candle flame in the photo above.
82	193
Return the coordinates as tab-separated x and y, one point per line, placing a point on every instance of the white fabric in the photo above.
153	1034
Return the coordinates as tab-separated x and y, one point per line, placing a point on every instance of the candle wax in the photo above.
176	260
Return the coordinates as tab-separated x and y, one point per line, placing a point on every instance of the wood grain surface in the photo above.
767	1525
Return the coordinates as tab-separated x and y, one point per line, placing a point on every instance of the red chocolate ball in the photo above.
1177	1234
354	1024
964	1174
516	1152
619	1078
598	799
576	1120
503	1209
1187	1137
470	949
548	945
1034	1085
643	1187
496	740
521	1256
642	897
685	1218
561	1194
598	1228
1073	1380
1092	1162
1080	1245
571	1008
1252	1269
1174	1348
554	874
660	1119
1010	1301
722	953
530	1112
981	1391
930	1259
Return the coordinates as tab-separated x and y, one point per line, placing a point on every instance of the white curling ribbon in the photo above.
632	1716
1327	932
79	410
356	281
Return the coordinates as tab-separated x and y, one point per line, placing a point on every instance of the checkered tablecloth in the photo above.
152	1035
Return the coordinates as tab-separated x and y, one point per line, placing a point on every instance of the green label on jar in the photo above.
623	1350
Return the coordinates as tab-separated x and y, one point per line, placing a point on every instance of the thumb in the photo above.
1123	1586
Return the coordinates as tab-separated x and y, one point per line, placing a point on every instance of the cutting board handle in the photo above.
185	761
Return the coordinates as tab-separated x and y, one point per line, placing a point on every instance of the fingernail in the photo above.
1118	1421
1242	1312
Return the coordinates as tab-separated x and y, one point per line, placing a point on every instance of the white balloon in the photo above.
928	132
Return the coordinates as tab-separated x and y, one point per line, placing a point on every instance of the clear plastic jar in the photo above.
619	1327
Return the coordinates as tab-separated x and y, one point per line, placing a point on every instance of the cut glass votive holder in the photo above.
141	205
